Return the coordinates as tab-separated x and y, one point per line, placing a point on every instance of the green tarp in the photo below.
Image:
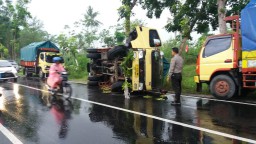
29	52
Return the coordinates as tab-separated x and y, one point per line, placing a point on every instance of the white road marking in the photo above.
9	135
162	119
235	102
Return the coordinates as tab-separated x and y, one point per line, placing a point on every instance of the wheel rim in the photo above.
222	88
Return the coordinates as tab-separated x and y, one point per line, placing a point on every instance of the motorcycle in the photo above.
64	87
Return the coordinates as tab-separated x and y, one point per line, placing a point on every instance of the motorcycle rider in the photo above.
55	70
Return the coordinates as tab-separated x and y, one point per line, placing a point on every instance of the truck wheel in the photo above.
41	74
222	87
94	55
117	51
117	86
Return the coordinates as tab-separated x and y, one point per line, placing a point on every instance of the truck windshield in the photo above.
50	57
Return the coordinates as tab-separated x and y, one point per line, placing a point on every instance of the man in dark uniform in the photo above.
175	74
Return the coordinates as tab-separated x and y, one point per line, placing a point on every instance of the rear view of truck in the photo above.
36	58
248	31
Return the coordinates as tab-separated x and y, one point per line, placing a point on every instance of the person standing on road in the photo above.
175	74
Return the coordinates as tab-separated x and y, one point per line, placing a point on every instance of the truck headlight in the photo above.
141	86
141	54
251	63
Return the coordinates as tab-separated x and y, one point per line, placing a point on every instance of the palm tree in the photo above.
90	18
91	24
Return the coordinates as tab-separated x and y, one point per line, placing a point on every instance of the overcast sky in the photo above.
55	14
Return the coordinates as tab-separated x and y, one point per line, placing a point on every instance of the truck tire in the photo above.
94	55
93	83
117	51
117	86
92	50
223	87
41	74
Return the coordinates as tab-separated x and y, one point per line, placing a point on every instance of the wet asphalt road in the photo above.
34	116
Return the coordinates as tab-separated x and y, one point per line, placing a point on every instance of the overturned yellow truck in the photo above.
147	70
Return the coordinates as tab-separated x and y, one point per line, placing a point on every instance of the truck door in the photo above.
218	54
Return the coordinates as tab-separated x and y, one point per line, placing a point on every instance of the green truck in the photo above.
36	58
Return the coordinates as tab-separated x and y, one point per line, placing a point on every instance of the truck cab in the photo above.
217	65
227	62
147	65
45	61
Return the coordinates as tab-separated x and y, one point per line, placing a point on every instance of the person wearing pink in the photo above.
54	78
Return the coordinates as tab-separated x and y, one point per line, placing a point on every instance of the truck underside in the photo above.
105	68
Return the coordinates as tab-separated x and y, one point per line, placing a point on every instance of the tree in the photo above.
228	8
12	19
119	33
221	15
68	46
137	22
90	25
19	20
125	11
3	52
107	38
190	15
32	33
90	19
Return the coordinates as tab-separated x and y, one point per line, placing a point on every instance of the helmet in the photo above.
56	59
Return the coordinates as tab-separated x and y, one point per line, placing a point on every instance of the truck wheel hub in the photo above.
221	88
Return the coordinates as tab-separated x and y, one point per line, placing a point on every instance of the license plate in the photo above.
136	70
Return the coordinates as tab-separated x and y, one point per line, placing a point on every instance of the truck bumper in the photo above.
196	79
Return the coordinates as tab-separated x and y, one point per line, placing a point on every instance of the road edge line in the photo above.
234	102
9	135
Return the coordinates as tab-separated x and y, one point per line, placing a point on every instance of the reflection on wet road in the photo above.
37	117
